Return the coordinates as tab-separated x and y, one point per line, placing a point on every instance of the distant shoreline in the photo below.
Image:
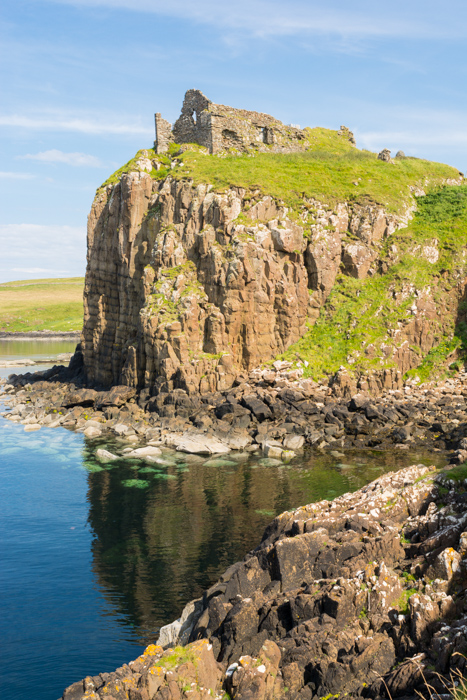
40	335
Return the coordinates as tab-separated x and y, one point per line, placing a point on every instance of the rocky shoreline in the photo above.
361	597
274	410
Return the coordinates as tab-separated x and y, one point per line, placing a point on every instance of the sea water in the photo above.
12	349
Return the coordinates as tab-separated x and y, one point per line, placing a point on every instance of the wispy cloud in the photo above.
85	126
4	175
31	250
56	156
273	17
417	131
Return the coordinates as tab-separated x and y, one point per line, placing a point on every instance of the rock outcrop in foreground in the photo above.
360	597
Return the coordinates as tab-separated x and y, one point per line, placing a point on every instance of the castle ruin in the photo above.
219	128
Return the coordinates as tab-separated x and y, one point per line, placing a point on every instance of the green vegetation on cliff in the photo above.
44	304
134	164
162	161
331	171
407	311
359	318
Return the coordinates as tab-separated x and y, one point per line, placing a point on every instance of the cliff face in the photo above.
186	287
202	267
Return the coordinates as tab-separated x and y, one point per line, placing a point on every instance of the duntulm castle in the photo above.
219	128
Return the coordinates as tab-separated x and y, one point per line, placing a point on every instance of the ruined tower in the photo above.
219	128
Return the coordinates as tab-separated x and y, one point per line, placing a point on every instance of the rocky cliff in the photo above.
196	274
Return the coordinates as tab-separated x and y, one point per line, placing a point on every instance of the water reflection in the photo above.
161	545
34	349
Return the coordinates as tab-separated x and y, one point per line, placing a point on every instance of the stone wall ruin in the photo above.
219	128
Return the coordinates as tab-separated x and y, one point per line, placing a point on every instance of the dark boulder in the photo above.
259	409
117	396
81	397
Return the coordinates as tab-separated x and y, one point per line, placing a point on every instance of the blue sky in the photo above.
81	80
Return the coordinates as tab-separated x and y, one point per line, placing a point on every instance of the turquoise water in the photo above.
95	558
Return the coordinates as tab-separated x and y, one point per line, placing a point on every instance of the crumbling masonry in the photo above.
219	128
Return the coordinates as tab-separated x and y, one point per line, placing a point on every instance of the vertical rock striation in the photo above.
187	287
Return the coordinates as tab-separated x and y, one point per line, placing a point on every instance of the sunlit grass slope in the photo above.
45	304
363	312
332	170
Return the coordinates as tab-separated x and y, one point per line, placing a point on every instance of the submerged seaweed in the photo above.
136	483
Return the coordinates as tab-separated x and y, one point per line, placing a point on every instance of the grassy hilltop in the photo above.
44	304
331	170
359	320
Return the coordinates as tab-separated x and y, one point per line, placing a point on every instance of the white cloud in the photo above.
85	126
426	133
4	175
263	18
40	270
56	156
35	249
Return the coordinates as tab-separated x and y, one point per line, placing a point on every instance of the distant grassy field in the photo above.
45	304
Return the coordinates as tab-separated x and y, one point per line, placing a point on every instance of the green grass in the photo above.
176	657
361	313
402	603
327	172
43	304
407	576
160	174
458	473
